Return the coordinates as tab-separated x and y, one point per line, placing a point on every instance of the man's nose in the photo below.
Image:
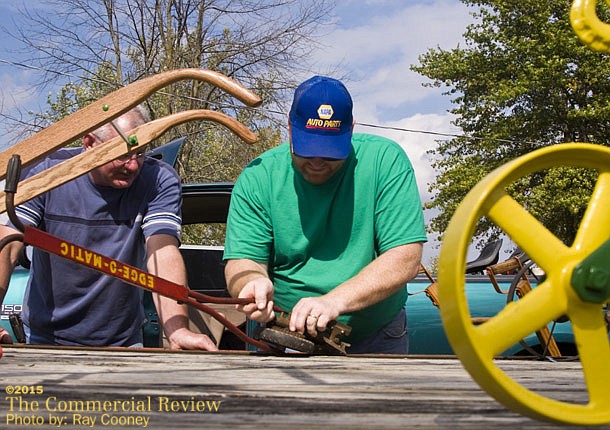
132	164
317	161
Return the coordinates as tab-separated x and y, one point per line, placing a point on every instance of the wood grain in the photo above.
102	154
292	392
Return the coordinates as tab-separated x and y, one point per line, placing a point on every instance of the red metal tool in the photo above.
137	277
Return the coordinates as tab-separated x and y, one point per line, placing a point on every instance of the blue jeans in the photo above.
392	338
136	341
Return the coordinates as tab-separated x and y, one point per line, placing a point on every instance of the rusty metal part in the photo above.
17	326
285	338
327	342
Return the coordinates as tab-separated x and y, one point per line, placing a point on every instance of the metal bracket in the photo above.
327	342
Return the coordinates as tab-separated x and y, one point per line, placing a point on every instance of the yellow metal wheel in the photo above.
476	346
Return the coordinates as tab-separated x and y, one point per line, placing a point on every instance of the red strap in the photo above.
126	273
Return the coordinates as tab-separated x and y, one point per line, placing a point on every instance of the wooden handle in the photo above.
118	102
102	154
505	266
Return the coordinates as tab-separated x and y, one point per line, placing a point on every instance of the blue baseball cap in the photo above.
321	119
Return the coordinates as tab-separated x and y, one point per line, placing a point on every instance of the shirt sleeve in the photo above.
163	215
399	216
249	228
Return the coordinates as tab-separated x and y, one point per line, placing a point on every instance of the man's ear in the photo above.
88	141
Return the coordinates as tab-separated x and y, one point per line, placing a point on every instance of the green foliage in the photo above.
208	234
523	81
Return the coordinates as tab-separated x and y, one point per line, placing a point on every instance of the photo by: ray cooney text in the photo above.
31	406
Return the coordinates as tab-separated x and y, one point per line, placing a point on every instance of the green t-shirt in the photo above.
314	237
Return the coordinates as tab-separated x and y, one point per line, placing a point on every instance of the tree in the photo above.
263	44
523	81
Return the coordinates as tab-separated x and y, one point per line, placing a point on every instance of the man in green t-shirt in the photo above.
328	226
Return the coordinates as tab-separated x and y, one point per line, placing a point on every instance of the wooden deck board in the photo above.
259	391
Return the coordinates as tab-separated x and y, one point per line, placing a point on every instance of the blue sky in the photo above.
375	42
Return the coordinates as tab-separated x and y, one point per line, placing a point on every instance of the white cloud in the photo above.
377	54
15	91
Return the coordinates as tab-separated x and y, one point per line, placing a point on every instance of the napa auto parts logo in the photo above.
324	122
325	112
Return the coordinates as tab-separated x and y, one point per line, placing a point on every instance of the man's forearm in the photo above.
239	272
8	258
173	315
165	261
383	277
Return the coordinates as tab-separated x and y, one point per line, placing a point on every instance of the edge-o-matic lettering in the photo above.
107	265
79	254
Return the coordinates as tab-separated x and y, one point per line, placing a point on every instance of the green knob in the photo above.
591	277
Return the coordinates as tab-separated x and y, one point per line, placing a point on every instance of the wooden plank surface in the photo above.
148	389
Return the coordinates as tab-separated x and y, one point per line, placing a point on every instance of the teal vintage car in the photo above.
426	333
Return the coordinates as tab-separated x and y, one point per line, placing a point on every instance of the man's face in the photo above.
122	172
316	170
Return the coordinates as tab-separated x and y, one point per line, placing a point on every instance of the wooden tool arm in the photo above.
112	106
102	154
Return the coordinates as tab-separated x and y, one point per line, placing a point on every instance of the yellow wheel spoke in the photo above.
594	350
519	319
477	346
540	244
595	226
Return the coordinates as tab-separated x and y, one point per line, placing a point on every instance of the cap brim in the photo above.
305	144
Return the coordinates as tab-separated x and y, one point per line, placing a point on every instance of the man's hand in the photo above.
313	314
261	290
5	337
165	261
382	277
183	338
